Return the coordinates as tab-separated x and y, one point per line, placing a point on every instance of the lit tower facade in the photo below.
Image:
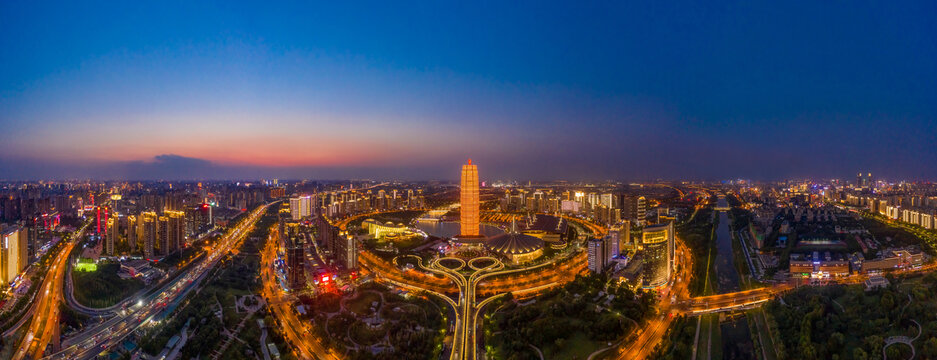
658	245
469	201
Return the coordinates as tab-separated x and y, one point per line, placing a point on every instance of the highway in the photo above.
44	325
94	340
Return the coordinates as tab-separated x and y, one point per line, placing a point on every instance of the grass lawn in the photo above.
702	347
364	335
103	288
710	338
577	346
762	332
361	304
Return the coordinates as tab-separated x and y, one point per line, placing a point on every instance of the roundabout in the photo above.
446	262
469	283
472	263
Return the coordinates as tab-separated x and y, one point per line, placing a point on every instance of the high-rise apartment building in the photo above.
149	232
301	207
133	232
295	261
111	233
172	231
597	255
13	253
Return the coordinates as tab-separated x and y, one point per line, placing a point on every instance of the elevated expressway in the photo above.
92	341
44	324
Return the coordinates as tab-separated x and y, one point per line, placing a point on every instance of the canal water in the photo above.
448	229
727	277
736	337
737	341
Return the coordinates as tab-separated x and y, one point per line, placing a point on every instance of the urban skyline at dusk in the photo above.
468	181
533	91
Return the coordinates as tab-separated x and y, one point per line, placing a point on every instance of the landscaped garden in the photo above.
569	322
374	322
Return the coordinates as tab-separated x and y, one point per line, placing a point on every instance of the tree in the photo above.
859	354
837	339
930	348
892	352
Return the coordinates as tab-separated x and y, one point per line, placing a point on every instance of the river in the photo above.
727	277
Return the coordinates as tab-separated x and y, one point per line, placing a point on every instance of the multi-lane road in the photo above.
93	341
44	325
307	345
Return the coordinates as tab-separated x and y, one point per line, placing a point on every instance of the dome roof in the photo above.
514	244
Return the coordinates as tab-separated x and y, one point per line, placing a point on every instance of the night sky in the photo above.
529	90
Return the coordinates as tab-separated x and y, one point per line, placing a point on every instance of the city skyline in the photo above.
711	91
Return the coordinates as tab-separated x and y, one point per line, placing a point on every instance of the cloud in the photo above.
166	166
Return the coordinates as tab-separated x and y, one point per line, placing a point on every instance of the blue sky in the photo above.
538	90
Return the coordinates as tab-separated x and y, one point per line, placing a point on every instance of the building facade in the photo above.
469	219
658	243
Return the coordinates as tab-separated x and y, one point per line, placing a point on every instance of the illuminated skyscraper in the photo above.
469	201
658	254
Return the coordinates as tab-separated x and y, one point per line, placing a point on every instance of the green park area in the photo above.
890	235
848	322
699	236
373	316
99	286
570	322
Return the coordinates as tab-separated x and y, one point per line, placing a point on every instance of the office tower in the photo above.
469	201
597	255
658	245
149	233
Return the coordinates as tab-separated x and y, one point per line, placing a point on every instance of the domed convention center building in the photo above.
516	247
